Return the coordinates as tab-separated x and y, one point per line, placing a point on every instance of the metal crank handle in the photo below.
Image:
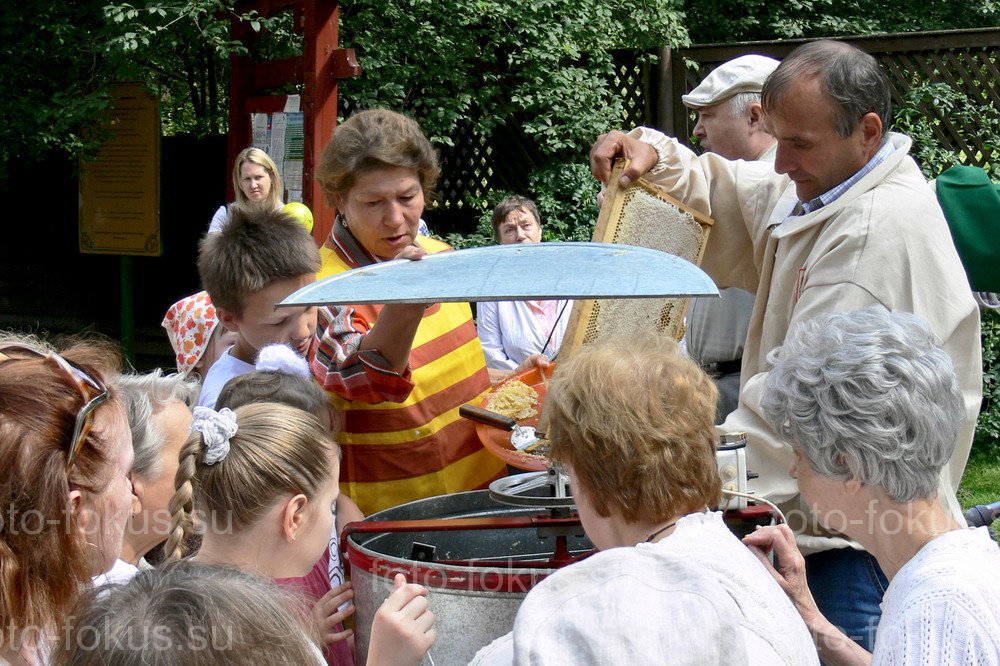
481	415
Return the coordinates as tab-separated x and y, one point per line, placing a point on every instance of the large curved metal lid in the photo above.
551	270
522	489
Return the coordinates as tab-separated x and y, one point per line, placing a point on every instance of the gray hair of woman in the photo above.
868	395
185	613
507	206
144	395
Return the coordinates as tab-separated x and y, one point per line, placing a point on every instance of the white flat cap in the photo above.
743	74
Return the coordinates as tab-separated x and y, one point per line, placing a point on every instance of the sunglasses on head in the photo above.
93	391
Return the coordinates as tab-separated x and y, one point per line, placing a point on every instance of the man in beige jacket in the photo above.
843	220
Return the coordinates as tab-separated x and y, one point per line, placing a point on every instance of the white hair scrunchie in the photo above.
216	428
283	359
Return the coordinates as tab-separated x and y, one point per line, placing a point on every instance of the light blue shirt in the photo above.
835	192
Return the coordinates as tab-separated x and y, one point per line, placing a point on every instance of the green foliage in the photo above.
927	106
566	196
543	65
482	236
61	59
981	481
988	428
182	48
538	72
50	79
720	21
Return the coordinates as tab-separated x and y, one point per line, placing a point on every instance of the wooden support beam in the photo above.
276	73
319	70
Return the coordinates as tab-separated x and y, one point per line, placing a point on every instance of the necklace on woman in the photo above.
934	535
658	532
552	331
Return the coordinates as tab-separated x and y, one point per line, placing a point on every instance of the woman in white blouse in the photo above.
871	407
511	331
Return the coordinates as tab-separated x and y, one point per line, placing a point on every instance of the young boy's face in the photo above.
261	323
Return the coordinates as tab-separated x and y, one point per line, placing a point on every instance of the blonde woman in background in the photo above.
257	180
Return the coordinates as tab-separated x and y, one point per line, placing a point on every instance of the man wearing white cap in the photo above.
731	124
843	220
730	117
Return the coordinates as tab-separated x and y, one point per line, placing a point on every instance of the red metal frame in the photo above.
490	575
479	576
319	69
458	524
458	578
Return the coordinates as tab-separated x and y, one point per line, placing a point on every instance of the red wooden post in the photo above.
319	69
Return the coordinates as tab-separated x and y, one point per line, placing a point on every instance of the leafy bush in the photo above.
539	74
566	197
988	428
61	60
183	48
567	201
724	21
542	65
927	105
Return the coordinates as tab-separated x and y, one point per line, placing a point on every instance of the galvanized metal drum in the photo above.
478	557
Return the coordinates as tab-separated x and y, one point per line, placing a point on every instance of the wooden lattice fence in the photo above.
965	60
476	167
650	84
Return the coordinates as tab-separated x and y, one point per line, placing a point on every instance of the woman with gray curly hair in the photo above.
158	407
872	409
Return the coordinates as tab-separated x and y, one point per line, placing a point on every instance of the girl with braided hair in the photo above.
283	376
262	481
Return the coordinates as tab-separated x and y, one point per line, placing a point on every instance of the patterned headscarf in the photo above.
189	324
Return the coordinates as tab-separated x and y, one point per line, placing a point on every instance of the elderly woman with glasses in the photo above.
65	490
871	407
